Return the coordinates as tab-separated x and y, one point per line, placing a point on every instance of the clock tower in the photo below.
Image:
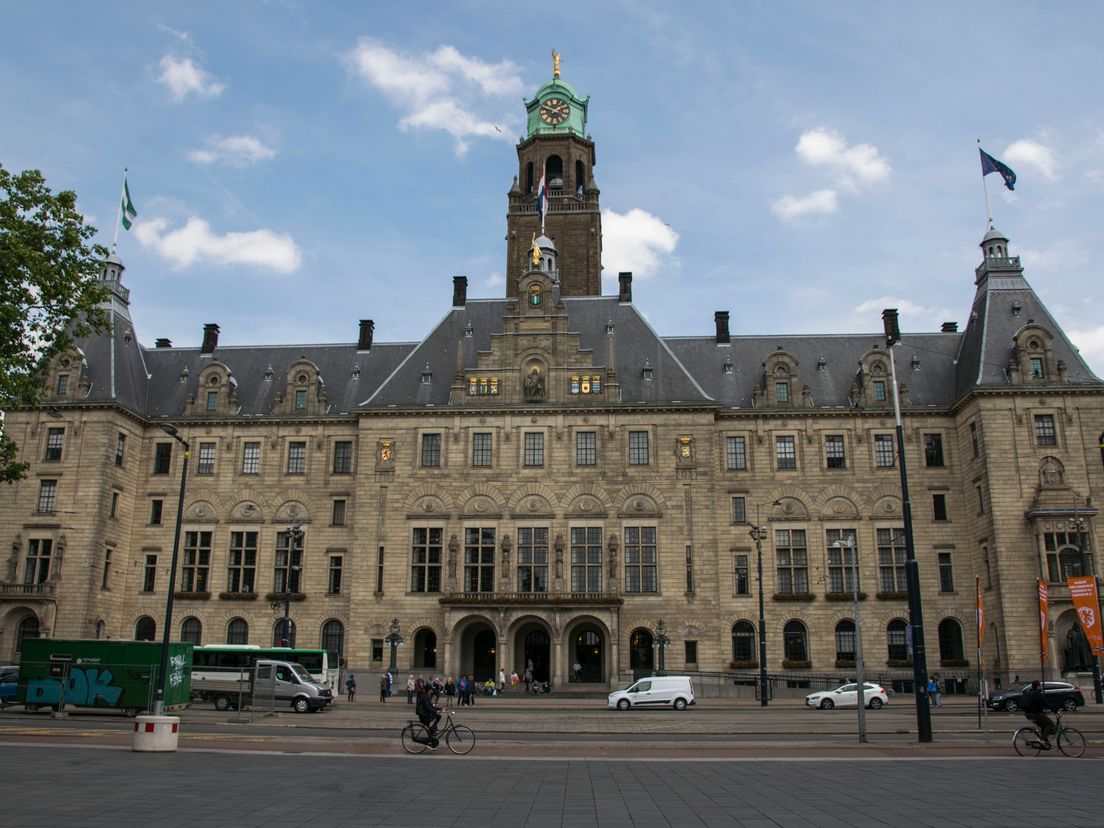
556	147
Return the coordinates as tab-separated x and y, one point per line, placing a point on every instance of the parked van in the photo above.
275	682
657	691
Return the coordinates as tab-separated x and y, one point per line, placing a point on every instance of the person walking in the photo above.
410	689
383	687
933	692
350	687
501	681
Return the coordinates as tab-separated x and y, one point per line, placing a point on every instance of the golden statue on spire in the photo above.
555	65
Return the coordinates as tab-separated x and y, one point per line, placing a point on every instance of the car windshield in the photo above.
301	671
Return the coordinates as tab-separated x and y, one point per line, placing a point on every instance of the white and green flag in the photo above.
127	206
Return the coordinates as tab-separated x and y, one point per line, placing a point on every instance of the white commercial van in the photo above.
657	691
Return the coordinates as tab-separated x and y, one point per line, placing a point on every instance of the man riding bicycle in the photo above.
1037	710
427	712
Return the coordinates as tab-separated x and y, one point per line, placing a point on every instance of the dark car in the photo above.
9	682
1059	695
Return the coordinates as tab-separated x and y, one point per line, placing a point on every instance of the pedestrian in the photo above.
462	690
501	681
389	680
450	688
350	687
410	689
933	692
472	689
383	687
577	669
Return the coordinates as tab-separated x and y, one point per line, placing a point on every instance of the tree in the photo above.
50	291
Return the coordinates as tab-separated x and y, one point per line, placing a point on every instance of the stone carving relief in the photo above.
1052	475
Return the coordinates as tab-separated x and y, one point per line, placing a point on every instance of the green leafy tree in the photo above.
50	291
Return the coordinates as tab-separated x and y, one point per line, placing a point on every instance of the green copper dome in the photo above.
557	109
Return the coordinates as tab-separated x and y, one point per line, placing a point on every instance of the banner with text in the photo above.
1087	603
1043	657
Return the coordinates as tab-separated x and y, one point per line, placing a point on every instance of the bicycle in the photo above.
459	738
1028	741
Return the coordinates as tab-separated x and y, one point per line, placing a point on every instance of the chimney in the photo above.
624	293
210	338
721	319
950	327
459	291
367	326
162	343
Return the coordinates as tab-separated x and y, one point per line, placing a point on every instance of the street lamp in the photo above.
912	570
759	534
394	641
295	542
662	643
159	701
860	679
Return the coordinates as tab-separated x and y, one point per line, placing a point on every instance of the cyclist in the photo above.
1037	711
427	711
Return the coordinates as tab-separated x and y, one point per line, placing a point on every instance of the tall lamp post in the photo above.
912	569
860	677
295	543
394	641
662	642
759	534
159	701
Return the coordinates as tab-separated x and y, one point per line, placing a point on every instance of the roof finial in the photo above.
555	65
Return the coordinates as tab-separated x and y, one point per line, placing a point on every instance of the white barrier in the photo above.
155	733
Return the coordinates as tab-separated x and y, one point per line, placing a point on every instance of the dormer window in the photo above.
1038	370
212	400
300	399
782	392
879	388
63	385
647	373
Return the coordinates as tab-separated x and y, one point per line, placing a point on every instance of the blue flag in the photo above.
989	164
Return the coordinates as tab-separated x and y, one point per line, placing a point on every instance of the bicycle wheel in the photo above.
1026	740
415	737
460	739
1071	742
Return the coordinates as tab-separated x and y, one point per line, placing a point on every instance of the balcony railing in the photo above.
21	590
530	599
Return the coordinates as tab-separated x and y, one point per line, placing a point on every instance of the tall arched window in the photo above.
641	650
333	640
795	642
580	178
529	178
743	641
278	633
553	172
897	640
191	631
950	640
237	631
28	628
845	640
145	629
100	629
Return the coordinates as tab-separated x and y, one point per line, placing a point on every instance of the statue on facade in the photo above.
534	384
1078	654
555	64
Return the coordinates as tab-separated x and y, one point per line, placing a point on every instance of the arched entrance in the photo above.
587	649
425	649
641	653
533	645
478	647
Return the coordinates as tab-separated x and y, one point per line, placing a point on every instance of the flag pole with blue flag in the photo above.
127	213
989	164
542	200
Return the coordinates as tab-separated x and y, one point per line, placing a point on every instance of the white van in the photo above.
657	691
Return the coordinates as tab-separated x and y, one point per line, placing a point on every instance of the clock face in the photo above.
554	111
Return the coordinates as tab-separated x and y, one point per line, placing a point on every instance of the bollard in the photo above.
155	734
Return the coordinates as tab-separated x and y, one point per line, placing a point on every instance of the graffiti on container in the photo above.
176	665
90	687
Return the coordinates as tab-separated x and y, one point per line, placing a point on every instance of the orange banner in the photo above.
1043	621
1087	603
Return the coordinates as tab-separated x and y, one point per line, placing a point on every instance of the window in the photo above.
377	649
1068	554
431	450
191	631
297	457
212	400
845	640
197	562
638	448
785	453
939	507
833	451
950	640
980	500
206	464
782	392
145	629
792	557
288	572
534	449
586	559
333	585
897	640
55	441
481	448
241	574
586	448
157	507
691	651
891	560
736	453
987	573
251	458
532	559
1037	370
120	448
237	631
743	641
47	495
743	580
162	458
149	574
39	551
283	635
28	628
1045	435
425	559
113	512
300	399
883	451
739	509
842	561
640	559
946	573
879	387
974	444
479	559
337	514
343	457
933	451
333	639
63	385
795	642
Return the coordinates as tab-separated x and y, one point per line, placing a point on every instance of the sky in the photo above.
299	166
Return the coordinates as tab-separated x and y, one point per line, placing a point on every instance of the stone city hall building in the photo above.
543	478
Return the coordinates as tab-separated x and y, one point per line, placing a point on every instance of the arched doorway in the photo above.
587	648
641	653
478	651
533	645
425	649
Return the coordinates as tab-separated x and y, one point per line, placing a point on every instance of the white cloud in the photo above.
1063	255
819	203
635	241
823	147
195	242
1028	153
183	77
1090	342
428	87
913	316
494	280
233	150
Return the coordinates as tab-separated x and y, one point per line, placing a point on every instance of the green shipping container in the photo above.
106	674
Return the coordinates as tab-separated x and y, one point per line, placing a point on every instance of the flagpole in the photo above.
985	187
119	218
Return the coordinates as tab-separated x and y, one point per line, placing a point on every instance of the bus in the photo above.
211	659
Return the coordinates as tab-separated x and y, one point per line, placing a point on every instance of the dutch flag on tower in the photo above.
542	200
